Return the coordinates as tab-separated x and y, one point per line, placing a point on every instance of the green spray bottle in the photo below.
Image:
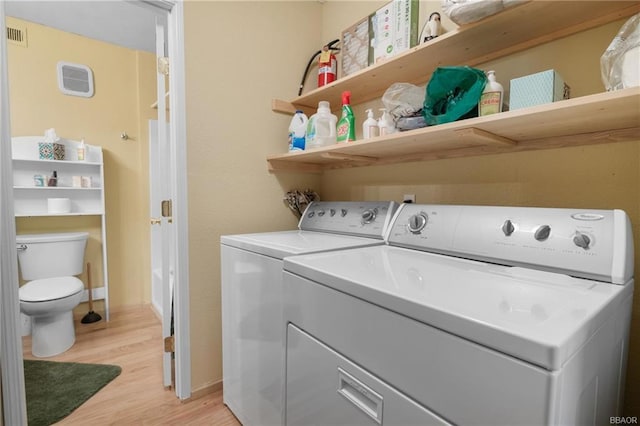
346	129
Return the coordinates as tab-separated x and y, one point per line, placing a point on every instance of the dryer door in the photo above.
324	388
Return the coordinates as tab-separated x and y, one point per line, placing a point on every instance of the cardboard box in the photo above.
537	89
393	29
355	47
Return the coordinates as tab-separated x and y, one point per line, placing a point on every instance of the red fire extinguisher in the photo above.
327	67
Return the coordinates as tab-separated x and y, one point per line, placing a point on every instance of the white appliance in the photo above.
470	315
252	327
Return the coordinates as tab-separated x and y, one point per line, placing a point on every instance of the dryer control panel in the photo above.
595	244
359	218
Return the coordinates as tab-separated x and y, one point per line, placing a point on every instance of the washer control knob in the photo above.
542	233
311	214
417	222
508	228
332	212
368	215
320	213
582	240
343	212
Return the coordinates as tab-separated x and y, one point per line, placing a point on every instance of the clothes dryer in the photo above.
252	325
470	315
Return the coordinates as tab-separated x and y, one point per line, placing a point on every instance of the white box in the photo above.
393	29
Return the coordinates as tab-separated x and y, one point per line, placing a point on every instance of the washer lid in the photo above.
50	289
287	243
537	316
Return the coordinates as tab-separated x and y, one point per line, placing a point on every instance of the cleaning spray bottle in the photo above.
346	130
370	126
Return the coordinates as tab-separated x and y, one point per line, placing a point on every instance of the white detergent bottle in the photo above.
491	98
297	131
385	123
370	126
321	129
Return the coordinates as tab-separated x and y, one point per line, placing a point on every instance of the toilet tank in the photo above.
51	255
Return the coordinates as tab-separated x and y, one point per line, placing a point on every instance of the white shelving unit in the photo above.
31	200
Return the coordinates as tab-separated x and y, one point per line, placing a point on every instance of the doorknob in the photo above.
156	221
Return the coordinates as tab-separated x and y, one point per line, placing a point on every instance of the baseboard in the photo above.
204	391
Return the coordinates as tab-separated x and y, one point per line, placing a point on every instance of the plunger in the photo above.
91	316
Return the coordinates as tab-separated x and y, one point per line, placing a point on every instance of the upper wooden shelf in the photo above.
595	119
515	29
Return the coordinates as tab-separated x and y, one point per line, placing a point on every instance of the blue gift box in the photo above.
537	89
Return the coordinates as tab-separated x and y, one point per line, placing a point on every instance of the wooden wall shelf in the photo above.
515	29
595	119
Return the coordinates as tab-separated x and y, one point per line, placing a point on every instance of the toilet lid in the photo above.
50	289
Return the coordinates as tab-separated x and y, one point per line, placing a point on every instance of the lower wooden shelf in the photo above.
594	119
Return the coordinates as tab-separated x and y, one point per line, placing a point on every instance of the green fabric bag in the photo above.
453	93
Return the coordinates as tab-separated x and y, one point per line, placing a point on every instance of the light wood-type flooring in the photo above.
132	339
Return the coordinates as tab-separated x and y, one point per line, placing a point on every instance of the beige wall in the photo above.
601	177
256	51
239	56
124	90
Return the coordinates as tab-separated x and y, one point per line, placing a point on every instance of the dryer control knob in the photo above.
368	215
417	222
582	240
343	212
320	213
508	228
542	233
332	212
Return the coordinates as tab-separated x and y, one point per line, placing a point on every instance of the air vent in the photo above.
75	79
17	35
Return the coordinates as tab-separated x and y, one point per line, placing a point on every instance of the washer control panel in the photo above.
593	244
360	218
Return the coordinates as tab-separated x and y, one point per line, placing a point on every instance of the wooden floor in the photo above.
132	339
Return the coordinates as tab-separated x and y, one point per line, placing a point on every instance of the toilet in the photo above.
49	262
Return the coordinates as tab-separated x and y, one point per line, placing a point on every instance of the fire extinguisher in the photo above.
327	65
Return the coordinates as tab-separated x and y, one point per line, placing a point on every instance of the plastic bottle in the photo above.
385	123
370	126
321	129
297	131
346	130
81	150
491	98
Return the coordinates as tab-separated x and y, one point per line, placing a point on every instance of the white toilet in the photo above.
48	262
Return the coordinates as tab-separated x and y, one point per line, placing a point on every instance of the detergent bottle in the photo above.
321	128
297	131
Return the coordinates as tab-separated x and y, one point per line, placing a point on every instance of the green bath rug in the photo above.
55	389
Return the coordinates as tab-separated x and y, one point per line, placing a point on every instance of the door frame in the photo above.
11	362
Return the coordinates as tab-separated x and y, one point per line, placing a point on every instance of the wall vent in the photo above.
17	35
75	79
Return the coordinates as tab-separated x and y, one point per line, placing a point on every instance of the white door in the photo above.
162	233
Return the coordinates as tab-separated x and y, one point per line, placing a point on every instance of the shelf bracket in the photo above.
348	157
285	166
487	138
284	107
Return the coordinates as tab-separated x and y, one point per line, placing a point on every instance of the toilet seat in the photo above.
48	289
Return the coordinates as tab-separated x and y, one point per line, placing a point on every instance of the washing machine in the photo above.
469	315
252	325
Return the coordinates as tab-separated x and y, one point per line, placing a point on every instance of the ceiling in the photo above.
125	23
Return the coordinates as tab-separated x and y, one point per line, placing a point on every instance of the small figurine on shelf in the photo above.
432	28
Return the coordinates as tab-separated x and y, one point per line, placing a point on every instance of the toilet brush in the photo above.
91	316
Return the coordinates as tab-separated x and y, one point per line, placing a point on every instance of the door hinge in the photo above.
169	344
163	65
166	208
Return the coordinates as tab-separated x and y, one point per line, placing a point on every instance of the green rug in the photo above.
55	389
